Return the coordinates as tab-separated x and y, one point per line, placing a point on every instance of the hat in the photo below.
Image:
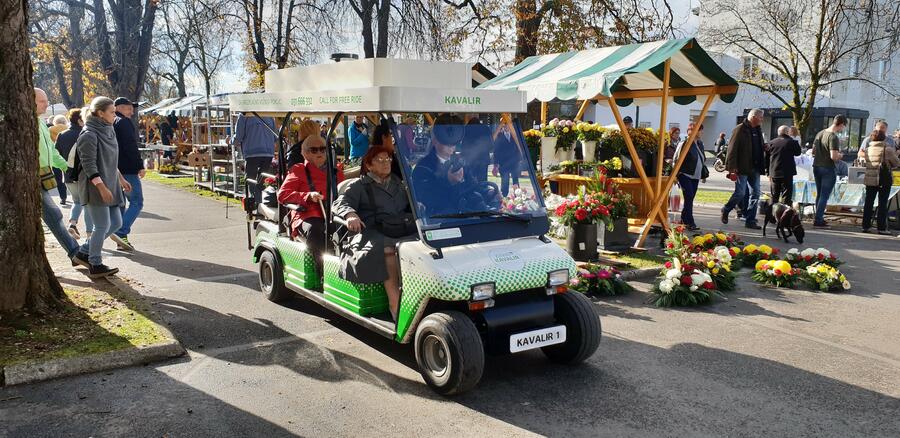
122	101
628	119
448	130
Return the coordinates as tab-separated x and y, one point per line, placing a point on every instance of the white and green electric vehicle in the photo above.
479	276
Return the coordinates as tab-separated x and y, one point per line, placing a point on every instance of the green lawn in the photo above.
712	197
186	184
91	321
639	260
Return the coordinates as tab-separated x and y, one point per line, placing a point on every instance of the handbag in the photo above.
395	226
884	171
48	179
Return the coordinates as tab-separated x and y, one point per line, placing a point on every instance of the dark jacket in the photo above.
743	155
506	153
130	161
166	133
362	255
780	157
432	187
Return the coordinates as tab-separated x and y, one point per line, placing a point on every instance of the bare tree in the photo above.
210	36
59	26
28	281
802	47
126	57
172	48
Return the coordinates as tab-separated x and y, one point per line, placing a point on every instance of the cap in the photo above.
122	101
448	130
628	119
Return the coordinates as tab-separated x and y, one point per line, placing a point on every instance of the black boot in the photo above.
102	270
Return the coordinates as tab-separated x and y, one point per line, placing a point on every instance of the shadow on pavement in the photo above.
189	269
152	216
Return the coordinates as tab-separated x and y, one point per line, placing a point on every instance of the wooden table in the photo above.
568	185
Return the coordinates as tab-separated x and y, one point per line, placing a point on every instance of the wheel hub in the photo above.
267	276
436	355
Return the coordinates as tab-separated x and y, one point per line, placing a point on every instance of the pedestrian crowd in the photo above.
90	155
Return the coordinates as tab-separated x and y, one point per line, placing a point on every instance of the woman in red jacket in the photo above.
307	185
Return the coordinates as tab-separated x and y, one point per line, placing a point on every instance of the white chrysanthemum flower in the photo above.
808	252
693	288
665	287
793	251
846	285
824	252
673	273
811	270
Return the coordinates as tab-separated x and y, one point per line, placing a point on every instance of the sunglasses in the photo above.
318	150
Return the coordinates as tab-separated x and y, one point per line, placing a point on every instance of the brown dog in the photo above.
787	221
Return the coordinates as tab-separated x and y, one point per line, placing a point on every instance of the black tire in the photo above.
271	277
449	352
582	322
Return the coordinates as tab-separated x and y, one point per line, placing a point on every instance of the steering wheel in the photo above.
481	196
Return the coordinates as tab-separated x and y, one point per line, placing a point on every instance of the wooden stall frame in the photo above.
662	123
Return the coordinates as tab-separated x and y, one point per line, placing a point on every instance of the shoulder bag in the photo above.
398	226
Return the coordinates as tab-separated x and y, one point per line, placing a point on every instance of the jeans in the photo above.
60	185
825	177
507	173
256	166
135	205
54	219
688	191
882	192
107	220
783	190
77	208
744	184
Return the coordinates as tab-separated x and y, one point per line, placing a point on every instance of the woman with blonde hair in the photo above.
100	184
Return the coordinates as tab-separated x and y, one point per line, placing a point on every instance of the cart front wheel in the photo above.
582	329
271	277
449	352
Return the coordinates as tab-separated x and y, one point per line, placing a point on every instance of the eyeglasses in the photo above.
383	159
319	150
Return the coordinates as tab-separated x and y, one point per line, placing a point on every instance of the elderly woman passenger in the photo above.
307	185
376	208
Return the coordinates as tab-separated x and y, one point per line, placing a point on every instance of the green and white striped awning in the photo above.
626	73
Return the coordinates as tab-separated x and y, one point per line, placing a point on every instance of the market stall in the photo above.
664	72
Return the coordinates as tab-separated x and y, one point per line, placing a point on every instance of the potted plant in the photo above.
565	140
589	134
581	215
533	142
614	236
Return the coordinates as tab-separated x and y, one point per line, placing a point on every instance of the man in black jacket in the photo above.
745	158
131	166
780	165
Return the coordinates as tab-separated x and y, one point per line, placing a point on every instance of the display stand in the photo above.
212	125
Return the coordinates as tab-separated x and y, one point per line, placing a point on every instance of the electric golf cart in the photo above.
478	275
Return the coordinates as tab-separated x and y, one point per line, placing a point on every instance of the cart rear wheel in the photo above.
271	277
582	329
449	352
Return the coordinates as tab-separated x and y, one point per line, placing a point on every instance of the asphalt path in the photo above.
764	362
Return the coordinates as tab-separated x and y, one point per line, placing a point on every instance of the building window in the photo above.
644	125
854	66
750	65
883	66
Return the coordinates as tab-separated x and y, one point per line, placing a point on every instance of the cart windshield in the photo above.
468	169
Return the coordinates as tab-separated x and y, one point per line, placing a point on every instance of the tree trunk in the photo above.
126	69
368	38
28	281
527	24
76	48
384	18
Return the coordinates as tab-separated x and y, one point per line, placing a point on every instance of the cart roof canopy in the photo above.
377	85
627	73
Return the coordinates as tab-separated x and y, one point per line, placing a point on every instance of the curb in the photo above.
31	372
19	374
640	274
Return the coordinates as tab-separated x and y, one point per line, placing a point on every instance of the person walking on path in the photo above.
100	184
745	158
131	166
690	174
358	135
880	158
65	144
49	157
254	135
826	151
780	165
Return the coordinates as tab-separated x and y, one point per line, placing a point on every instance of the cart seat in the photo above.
342	186
269	213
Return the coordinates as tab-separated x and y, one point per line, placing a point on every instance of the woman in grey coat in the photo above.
100	184
369	256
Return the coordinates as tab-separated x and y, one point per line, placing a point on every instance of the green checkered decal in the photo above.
362	298
420	282
299	267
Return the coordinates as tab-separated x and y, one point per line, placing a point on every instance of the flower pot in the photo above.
548	152
560	155
589	151
581	242
616	240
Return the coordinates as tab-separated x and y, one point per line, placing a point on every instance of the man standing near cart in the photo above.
255	136
131	166
745	159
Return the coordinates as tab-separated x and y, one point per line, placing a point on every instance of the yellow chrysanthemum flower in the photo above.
750	248
761	265
765	249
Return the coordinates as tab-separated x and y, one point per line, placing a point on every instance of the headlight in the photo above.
483	291
558	278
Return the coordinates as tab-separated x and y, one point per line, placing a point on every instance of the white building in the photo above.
864	104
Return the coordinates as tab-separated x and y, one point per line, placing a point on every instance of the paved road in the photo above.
763	363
